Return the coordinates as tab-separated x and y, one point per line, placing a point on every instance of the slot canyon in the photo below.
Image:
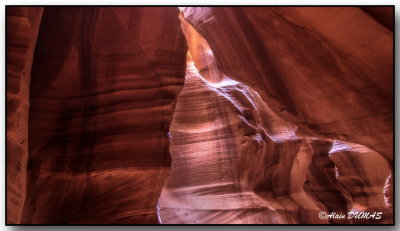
199	115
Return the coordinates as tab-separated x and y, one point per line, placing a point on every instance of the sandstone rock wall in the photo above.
329	70
22	29
103	88
235	161
216	115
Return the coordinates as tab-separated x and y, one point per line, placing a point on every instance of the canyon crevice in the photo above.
199	115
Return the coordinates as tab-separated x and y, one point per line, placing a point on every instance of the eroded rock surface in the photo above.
22	29
329	70
283	113
363	172
235	161
103	88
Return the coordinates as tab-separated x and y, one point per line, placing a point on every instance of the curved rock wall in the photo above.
363	172
22	29
283	113
103	89
235	161
327	69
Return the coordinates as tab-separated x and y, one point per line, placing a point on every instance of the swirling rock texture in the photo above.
22	29
363	172
257	169
283	113
329	70
102	95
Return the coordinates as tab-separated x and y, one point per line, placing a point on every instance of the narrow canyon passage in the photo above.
204	185
226	144
199	115
207	139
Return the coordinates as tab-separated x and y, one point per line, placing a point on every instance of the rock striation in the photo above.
329	70
234	161
103	90
199	115
22	29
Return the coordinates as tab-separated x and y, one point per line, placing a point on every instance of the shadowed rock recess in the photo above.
199	115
